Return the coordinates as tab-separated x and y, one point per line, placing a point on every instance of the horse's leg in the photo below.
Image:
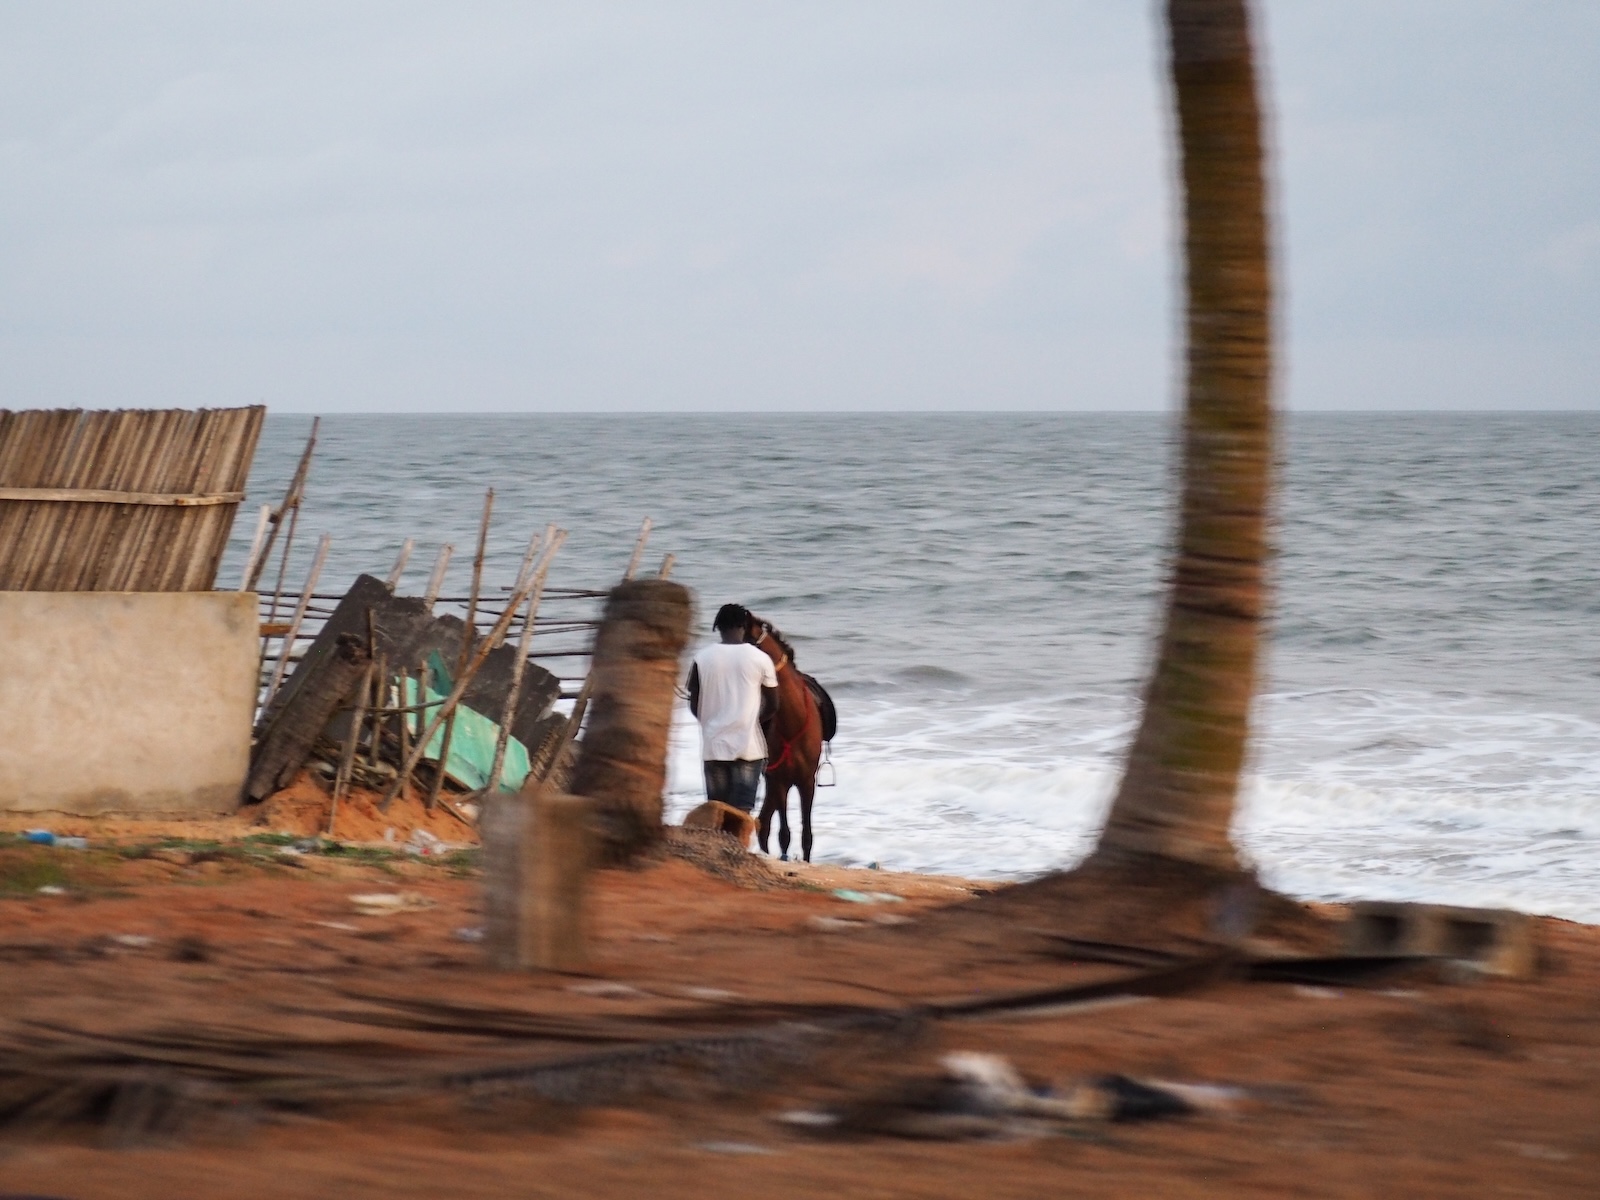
765	827
782	788
807	786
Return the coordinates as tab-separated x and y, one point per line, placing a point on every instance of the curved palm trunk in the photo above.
1177	793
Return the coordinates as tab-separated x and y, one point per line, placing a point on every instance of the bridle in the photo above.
782	660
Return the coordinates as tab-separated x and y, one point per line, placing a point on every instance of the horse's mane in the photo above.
776	635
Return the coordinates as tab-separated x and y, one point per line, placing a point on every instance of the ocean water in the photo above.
980	594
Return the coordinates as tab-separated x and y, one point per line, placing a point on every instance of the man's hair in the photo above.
731	616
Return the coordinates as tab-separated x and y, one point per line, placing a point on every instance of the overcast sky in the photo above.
858	205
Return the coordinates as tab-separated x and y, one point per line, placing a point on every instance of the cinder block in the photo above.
723	818
1497	941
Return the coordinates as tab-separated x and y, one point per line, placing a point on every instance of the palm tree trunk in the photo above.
1177	793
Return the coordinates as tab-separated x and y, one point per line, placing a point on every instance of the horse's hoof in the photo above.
783	858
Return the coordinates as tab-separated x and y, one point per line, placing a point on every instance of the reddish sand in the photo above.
301	809
1420	1089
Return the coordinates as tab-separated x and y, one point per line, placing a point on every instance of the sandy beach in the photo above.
207	956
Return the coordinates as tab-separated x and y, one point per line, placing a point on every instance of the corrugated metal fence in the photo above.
133	500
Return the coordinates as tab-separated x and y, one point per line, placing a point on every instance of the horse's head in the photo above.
760	632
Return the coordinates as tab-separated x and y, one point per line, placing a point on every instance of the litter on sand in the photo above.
855	897
422	842
979	1095
45	837
385	904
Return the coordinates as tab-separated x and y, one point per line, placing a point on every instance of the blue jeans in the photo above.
733	781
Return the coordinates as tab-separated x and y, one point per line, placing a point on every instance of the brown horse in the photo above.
794	741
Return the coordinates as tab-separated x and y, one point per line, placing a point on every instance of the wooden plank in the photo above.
104	496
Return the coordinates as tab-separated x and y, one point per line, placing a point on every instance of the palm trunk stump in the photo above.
622	758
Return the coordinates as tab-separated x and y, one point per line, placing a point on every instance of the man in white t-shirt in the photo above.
733	690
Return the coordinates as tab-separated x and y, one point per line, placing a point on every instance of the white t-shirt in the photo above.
732	675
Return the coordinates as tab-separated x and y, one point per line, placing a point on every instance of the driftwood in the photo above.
295	727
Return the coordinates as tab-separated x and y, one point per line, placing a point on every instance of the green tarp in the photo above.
472	743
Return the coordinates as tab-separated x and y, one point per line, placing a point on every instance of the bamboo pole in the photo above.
380	702
294	625
400	564
424	678
436	580
255	547
531	554
535	544
291	501
469	634
291	505
402	703
347	758
277	593
515	693
477	571
638	550
580	703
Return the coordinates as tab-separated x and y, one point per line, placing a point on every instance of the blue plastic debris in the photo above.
855	897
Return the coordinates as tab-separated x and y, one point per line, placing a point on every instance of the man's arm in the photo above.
694	690
769	689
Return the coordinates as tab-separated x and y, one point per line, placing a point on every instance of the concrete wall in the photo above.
125	702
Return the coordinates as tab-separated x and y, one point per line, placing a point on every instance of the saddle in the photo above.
830	719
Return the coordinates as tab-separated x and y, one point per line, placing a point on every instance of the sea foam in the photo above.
1352	794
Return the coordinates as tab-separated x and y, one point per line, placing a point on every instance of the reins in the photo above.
779	664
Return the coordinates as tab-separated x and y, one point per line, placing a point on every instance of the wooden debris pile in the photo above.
376	689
